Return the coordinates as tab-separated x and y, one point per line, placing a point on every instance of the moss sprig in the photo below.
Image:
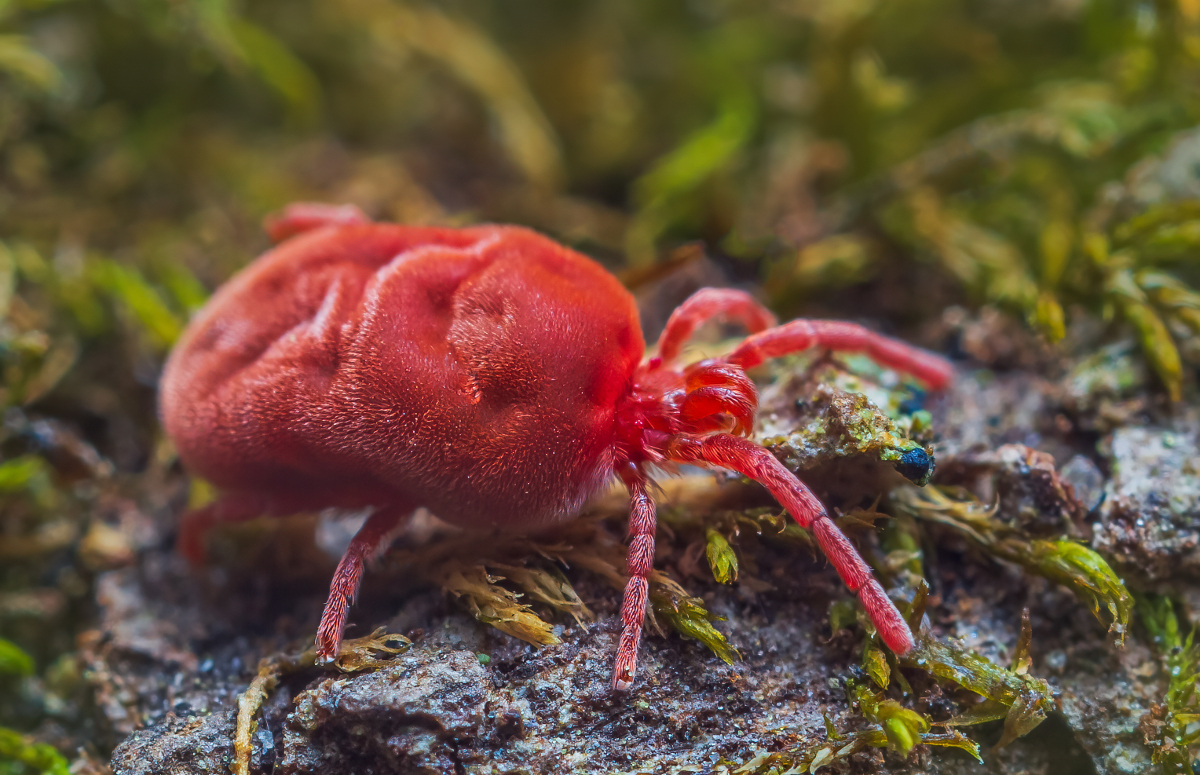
1170	727
1065	562
369	652
890	726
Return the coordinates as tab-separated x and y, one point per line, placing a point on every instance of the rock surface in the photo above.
1149	523
172	652
439	710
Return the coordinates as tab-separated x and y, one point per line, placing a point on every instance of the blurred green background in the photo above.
1032	155
884	158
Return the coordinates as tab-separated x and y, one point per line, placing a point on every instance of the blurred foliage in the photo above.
20	756
13	660
1170	728
821	143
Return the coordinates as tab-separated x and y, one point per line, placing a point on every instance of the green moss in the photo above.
1170	728
1065	562
834	423
1017	697
689	617
891	726
902	727
19	756
13	660
721	558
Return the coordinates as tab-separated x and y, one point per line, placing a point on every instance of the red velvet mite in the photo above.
487	373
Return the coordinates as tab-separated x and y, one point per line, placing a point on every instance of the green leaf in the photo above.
1088	575
689	617
876	664
721	557
952	738
22	472
1055	243
20	60
902	727
278	67
14	661
1170	293
1049	317
1148	222
1152	332
662	193
142	300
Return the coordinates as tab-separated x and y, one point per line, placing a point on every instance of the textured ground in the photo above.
174	647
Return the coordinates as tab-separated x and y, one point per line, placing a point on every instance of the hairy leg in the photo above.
749	459
371	540
229	507
705	304
303	216
798	335
640	563
713	389
241	506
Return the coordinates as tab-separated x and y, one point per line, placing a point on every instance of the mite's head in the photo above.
699	399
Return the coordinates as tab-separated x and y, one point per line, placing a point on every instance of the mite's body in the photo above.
488	374
468	371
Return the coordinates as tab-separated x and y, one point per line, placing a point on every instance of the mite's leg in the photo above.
707	303
797	335
715	389
371	540
235	506
749	459
303	216
229	507
640	563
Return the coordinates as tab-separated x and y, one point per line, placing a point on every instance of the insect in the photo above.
487	373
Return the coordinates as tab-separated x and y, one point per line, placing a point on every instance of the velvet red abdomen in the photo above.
472	371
